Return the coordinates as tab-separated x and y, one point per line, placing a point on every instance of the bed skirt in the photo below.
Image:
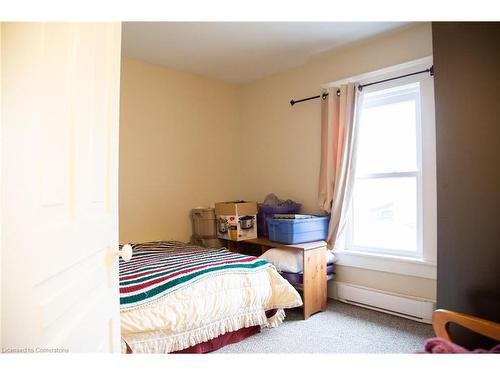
220	341
223	339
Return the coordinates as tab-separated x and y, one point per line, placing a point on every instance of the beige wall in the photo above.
179	137
391	282
180	134
285	140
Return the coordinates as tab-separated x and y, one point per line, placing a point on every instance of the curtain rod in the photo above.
360	87
429	70
322	96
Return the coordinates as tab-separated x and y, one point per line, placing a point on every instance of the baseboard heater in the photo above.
414	308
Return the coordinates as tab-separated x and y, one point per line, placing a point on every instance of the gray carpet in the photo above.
343	328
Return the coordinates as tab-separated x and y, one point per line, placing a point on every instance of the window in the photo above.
391	217
386	211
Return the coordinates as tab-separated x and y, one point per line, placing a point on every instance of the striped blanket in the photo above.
159	268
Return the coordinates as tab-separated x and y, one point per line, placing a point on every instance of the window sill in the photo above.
387	263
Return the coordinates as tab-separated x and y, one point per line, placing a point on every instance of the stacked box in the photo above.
204	227
266	212
293	231
236	221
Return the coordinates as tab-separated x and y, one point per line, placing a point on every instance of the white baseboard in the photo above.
414	308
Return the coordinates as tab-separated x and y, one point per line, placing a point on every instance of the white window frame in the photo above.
388	99
425	265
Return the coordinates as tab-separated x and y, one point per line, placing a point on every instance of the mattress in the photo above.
175	295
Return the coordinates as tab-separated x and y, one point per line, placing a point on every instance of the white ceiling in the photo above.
238	52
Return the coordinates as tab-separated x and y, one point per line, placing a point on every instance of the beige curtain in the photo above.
337	146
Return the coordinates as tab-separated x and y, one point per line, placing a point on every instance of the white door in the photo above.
60	109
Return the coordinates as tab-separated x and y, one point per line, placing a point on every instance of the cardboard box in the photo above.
236	221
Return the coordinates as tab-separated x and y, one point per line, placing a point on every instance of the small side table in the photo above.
314	287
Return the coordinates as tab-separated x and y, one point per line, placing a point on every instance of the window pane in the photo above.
387	138
385	213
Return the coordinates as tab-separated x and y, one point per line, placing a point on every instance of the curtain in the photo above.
338	144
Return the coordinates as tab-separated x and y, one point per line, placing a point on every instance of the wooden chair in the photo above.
441	320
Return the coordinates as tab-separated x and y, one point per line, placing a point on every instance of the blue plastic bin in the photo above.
292	231
267	212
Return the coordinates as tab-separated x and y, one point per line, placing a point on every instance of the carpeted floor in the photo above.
343	328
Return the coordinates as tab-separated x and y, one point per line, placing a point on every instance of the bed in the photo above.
176	297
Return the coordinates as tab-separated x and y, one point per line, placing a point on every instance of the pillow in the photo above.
290	260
